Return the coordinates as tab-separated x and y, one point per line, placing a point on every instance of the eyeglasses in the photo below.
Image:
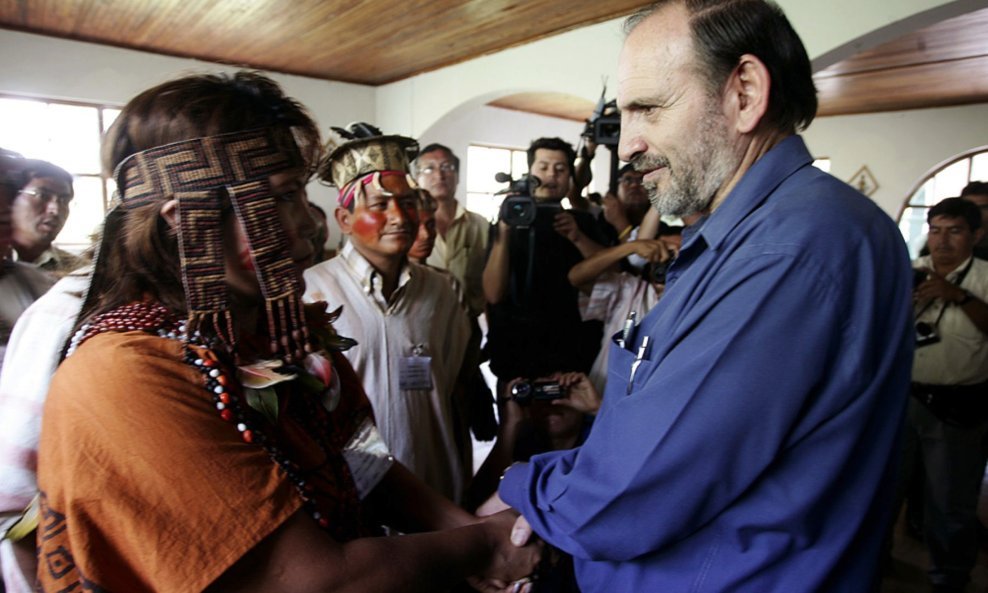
444	167
45	195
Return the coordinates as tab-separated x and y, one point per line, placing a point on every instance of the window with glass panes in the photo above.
483	163
67	134
946	181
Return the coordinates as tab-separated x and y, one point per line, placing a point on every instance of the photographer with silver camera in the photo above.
948	413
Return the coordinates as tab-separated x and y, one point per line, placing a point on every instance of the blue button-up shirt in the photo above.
754	449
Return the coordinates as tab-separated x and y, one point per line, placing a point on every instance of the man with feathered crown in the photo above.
411	328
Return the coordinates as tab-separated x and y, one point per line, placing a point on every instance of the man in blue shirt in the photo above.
747	434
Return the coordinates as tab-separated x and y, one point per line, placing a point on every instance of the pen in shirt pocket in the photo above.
629	324
642	352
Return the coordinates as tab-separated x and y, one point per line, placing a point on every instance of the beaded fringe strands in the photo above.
201	174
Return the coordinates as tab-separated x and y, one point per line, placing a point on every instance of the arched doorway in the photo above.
942	181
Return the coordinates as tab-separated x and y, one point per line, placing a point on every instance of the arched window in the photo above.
946	180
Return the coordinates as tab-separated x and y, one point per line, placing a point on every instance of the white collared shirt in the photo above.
961	355
417	425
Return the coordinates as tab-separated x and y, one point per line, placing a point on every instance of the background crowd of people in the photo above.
700	383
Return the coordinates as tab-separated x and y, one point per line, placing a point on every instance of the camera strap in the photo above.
943	308
521	288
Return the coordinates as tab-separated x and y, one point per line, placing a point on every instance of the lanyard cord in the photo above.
943	308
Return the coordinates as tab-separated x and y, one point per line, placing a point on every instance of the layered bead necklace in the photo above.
155	318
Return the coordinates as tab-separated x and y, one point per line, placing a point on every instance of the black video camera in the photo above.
655	272
525	392
605	129
604	126
518	208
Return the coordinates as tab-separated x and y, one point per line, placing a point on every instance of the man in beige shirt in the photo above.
461	244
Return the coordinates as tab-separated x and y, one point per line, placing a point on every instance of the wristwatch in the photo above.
968	297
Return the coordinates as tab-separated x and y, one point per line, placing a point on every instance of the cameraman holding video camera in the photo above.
948	413
535	327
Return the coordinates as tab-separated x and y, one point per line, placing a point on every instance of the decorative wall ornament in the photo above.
864	181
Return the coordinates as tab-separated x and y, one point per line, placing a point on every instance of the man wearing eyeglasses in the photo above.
461	242
39	212
20	285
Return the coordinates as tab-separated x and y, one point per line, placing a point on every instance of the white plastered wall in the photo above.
899	148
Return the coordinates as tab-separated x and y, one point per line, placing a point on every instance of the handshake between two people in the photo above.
544	414
515	554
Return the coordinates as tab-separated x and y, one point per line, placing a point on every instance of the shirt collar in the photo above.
460	211
766	174
370	278
927	262
48	255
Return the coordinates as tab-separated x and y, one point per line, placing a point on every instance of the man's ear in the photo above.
747	93
343	219
978	235
169	211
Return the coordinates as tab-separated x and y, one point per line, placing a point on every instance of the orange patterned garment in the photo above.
146	488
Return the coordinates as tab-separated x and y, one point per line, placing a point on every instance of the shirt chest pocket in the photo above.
627	369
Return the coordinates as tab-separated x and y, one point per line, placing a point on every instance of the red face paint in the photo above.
367	224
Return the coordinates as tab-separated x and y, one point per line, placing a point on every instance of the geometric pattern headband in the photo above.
367	151
204	175
356	187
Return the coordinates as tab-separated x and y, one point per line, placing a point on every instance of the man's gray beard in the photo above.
682	198
693	185
688	192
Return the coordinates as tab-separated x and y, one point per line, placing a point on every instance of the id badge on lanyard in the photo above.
415	371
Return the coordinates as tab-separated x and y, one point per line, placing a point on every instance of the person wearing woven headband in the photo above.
204	431
409	322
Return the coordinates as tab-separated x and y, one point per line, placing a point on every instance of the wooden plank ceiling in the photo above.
376	41
363	41
940	65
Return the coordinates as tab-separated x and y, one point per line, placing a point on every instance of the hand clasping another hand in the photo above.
513	557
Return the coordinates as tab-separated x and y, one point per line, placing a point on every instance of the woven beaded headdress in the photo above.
363	150
203	174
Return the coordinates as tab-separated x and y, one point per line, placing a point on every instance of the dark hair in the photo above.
724	30
553	144
975	188
35	169
144	259
318	209
957	208
433	148
207	105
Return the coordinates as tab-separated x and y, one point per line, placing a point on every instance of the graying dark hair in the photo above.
724	30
